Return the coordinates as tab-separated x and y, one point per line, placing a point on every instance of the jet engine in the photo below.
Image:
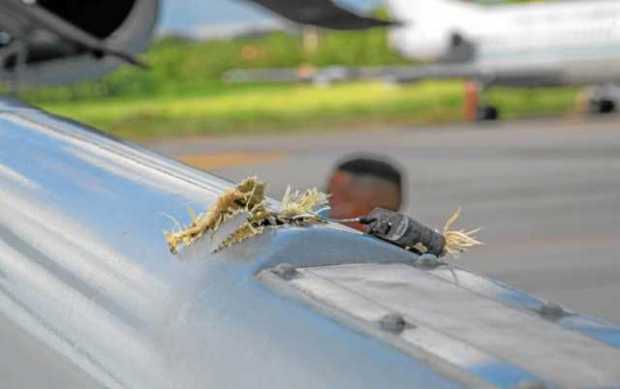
62	41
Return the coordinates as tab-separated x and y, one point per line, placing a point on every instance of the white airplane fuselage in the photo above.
579	39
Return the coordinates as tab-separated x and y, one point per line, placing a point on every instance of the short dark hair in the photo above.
373	167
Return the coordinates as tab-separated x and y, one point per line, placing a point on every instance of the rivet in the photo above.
551	311
427	261
393	322
285	271
5	38
531	385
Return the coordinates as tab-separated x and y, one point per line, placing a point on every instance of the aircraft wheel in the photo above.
603	106
487	113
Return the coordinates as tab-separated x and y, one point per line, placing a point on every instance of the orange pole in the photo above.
471	101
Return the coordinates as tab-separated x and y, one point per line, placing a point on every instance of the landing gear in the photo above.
603	106
13	55
603	99
475	109
487	113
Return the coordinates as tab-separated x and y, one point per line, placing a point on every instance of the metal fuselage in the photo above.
87	280
85	270
571	42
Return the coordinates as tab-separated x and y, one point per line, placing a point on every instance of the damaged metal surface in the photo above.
85	272
247	204
93	207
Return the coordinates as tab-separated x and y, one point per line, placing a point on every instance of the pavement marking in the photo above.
229	159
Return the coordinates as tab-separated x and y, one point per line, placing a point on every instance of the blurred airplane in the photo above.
534	44
59	41
551	43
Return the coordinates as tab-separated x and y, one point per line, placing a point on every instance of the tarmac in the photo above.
546	193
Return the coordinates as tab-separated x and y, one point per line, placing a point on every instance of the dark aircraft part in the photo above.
603	106
603	99
63	41
404	232
487	113
460	50
98	18
321	13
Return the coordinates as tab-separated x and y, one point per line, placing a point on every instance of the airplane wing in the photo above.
487	75
321	13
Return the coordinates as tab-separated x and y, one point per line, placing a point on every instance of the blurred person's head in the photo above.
359	185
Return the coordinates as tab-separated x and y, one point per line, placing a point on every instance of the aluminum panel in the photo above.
484	327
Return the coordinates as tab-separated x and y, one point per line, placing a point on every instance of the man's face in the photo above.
347	201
